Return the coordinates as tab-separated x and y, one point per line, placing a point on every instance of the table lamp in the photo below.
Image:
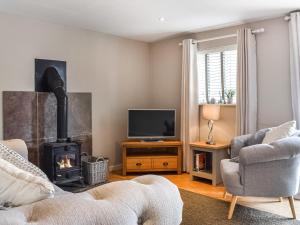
211	113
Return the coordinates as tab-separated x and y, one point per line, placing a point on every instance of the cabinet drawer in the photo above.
165	163
138	163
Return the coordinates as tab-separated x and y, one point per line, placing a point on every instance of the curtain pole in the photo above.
256	31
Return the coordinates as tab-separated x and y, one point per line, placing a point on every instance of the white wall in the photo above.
165	83
123	74
114	69
274	103
274	91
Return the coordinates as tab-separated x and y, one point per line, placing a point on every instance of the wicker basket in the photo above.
94	169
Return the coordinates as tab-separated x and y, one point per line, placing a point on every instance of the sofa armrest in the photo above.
18	146
280	150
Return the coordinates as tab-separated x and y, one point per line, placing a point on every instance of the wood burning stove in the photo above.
61	161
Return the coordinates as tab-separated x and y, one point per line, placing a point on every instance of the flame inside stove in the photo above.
65	162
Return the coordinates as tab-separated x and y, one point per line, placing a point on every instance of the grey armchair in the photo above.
262	170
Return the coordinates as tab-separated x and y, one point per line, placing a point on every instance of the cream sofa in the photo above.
147	200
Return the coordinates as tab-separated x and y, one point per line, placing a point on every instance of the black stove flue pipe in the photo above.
56	85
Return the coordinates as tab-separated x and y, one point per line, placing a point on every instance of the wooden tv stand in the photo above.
144	156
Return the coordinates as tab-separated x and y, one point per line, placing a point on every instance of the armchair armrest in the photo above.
239	142
286	148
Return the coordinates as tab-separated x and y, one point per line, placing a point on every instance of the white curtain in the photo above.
189	100
294	33
246	120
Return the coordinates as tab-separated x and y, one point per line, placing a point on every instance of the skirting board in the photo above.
115	167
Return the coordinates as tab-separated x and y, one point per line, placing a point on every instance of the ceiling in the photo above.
140	19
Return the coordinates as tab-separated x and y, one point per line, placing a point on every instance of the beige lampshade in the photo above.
211	112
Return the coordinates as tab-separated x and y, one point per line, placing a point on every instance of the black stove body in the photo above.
62	162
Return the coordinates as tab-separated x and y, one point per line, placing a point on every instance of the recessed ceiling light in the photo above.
162	19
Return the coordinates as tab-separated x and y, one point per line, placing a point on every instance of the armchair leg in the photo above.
280	199
232	206
292	205
225	194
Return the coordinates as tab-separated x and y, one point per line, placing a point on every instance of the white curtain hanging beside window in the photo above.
294	34
189	100
246	120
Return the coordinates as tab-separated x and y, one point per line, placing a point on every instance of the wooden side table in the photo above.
213	155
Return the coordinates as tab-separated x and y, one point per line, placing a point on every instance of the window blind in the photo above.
216	74
229	70
213	75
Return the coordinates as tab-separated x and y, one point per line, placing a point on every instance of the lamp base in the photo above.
210	139
210	142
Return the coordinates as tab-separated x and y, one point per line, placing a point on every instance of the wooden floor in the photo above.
182	181
204	187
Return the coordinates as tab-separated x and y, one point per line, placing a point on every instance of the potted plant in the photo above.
229	95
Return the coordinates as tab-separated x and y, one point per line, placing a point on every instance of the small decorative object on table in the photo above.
229	95
212	101
94	169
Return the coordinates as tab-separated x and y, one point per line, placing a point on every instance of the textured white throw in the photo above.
145	200
19	187
17	160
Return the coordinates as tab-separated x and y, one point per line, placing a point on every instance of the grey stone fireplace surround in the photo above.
31	116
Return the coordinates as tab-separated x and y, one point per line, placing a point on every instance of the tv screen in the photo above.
151	123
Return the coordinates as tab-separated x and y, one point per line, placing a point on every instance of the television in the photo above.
150	124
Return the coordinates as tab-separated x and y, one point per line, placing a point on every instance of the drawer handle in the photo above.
165	163
138	164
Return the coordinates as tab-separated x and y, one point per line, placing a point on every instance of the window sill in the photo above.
227	105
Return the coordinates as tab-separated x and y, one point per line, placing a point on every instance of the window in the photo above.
217	74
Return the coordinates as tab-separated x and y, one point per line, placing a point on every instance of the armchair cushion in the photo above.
282	131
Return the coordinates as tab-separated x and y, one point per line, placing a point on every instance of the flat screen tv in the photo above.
151	123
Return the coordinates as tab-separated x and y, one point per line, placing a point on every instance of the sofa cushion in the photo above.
17	160
284	130
19	187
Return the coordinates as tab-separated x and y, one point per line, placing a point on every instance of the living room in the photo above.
191	106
